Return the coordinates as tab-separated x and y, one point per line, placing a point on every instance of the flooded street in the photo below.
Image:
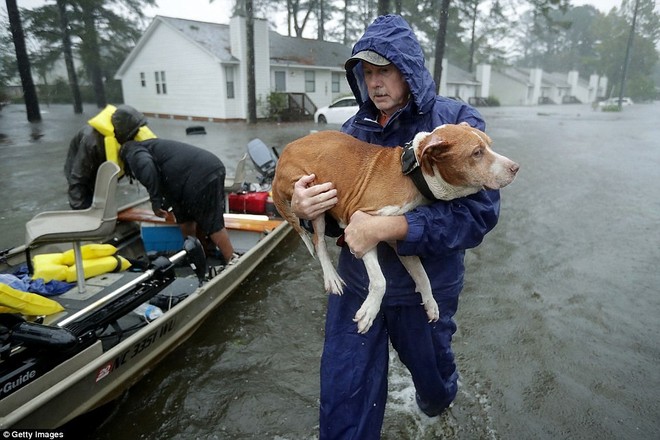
558	330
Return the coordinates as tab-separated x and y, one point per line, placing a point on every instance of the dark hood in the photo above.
127	121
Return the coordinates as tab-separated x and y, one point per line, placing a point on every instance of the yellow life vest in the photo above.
103	124
31	304
97	259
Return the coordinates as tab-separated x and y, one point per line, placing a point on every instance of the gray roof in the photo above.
292	50
456	75
516	74
284	50
557	79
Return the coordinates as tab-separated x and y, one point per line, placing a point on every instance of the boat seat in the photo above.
76	226
236	183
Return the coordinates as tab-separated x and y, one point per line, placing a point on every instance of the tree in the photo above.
68	57
251	82
383	7
29	91
613	33
440	41
8	68
102	32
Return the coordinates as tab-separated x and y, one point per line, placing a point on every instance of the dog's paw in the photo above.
432	310
334	284
365	318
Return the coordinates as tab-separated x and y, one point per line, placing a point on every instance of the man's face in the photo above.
388	89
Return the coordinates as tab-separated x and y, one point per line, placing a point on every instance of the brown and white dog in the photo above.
454	160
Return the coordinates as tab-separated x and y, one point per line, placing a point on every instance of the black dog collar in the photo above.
411	168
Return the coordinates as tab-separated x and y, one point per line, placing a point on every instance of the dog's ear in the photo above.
432	150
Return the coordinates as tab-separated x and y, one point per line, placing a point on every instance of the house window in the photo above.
310	81
335	82
280	81
229	75
143	79
161	86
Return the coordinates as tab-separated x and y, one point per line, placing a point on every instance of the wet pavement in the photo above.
557	327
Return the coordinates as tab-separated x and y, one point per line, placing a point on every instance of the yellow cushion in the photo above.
49	267
88	251
98	266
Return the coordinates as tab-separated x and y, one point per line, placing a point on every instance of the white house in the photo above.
186	69
519	86
195	70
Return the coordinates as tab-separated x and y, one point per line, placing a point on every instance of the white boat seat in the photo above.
235	184
93	223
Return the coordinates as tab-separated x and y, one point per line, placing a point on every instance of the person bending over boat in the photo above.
188	179
97	142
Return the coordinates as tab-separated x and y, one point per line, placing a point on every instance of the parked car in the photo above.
615	102
337	112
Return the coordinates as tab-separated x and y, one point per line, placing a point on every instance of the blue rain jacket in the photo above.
440	232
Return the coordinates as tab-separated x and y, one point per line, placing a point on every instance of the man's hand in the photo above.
310	200
365	231
160	212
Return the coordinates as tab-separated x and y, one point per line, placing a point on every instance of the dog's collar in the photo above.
410	167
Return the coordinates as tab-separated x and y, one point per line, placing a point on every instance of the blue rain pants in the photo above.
354	367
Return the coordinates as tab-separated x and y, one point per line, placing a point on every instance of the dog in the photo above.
454	160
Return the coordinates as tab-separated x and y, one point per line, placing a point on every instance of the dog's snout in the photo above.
514	168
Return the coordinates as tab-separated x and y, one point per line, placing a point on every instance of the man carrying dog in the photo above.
398	99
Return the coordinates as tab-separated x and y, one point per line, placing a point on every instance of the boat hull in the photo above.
93	377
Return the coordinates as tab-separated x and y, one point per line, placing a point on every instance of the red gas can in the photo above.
248	203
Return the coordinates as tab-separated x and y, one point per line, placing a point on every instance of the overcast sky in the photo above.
220	10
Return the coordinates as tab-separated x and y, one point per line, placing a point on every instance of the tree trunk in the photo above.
440	43
321	26
68	58
29	91
92	56
251	82
383	7
475	5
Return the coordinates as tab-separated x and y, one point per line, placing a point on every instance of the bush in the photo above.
610	108
276	105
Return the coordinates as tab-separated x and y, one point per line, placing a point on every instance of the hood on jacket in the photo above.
391	37
127	121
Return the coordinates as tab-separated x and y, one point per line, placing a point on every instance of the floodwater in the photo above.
558	330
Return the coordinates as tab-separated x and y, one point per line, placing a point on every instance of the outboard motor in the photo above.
263	159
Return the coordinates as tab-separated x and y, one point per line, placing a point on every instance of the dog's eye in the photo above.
478	153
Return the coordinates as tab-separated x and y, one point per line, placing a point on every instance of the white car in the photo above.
615	102
337	112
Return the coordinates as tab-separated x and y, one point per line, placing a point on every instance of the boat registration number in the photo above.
135	350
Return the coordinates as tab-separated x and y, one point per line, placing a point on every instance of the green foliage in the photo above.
8	67
493	101
276	105
610	108
99	45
